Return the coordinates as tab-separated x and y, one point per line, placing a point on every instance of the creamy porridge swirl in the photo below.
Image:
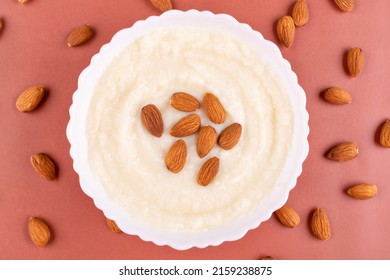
129	161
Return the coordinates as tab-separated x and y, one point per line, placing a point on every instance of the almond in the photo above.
208	171
80	35
286	30
300	13
355	61
384	137
152	120
362	191
343	152
345	5
1	24
337	96
113	226
39	231
287	216
184	102
44	166
230	136
213	108
23	1
186	126
162	5
320	225
206	140
30	98
176	156
267	258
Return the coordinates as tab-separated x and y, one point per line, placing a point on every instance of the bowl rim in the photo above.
181	241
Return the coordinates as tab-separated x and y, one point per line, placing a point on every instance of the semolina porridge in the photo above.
130	162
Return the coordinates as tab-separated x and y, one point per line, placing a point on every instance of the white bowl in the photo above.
79	147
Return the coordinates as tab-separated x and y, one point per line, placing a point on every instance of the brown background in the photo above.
33	50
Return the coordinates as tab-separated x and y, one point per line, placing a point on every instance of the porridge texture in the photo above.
129	161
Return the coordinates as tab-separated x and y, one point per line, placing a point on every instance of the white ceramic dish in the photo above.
79	147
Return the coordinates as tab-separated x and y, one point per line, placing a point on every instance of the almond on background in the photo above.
266	258
1	24
300	13
363	191
320	225
186	126
80	35
152	120
345	5
343	152
44	166
285	29
355	61
208	171
39	231
184	102
176	156
287	216
23	1
338	96
112	226
162	5
384	137
30	98
213	108
230	136
206	140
